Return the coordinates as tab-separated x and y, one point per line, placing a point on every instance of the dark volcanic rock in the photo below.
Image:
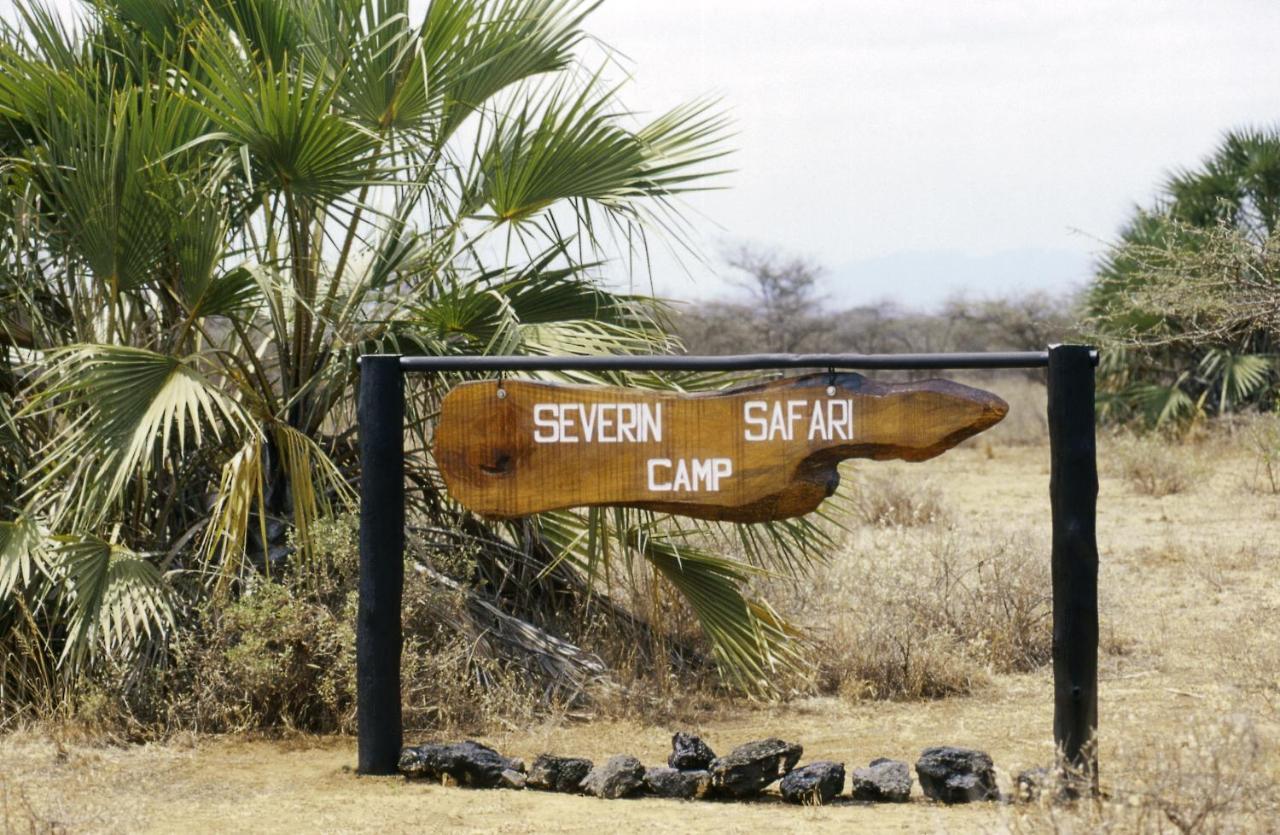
621	776
671	782
558	774
884	781
956	775
815	784
690	753
751	767
467	763
513	779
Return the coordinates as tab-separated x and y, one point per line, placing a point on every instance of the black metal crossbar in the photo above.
1073	490
738	362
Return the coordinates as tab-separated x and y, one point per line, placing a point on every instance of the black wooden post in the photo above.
1073	492
381	417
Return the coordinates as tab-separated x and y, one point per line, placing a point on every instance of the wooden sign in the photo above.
515	447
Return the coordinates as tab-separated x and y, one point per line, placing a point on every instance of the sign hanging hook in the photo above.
831	382
502	392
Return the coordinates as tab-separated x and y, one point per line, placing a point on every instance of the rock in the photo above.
672	782
621	776
690	753
510	779
558	774
956	775
815	784
1032	783
883	781
751	767
467	763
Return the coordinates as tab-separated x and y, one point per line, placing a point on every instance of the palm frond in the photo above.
576	149
134	407
22	555
115	598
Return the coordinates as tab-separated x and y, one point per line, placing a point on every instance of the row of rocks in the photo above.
693	771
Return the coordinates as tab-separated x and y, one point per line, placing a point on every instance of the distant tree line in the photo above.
779	309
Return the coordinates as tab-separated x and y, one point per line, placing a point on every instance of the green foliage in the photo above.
212	208
1185	300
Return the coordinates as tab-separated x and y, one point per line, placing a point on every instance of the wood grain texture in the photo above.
536	447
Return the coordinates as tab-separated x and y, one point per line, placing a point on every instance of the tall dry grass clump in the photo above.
1216	777
1153	465
927	613
893	502
1262	443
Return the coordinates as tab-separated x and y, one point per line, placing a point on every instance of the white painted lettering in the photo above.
650	422
604	423
654	484
758	425
627	422
547	430
818	425
688	475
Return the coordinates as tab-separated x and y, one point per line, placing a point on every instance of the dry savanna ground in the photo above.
1188	700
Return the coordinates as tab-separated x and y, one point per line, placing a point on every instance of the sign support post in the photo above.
378	639
1073	491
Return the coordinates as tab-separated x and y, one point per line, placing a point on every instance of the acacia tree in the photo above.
783	291
212	207
1184	299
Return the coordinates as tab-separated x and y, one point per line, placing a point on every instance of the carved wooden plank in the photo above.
750	454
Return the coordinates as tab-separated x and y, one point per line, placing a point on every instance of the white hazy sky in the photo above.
920	147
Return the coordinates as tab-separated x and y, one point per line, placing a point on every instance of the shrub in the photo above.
929	615
1214	776
282	655
1263	444
1154	465
894	502
272	658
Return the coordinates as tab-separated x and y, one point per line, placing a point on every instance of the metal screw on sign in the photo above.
831	382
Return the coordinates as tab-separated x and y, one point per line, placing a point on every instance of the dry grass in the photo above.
1153	466
1262	439
924	614
891	502
1217	776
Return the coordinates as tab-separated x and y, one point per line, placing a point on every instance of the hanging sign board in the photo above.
759	453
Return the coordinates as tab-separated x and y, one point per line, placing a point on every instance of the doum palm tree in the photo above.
1183	298
213	207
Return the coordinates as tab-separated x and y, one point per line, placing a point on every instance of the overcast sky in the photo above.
917	147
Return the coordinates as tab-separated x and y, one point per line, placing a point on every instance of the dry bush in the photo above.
450	678
282	656
1154	465
894	502
271	659
18	815
928	614
1262	434
1217	777
1252	660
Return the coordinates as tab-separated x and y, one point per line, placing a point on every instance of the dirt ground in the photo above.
1190	597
